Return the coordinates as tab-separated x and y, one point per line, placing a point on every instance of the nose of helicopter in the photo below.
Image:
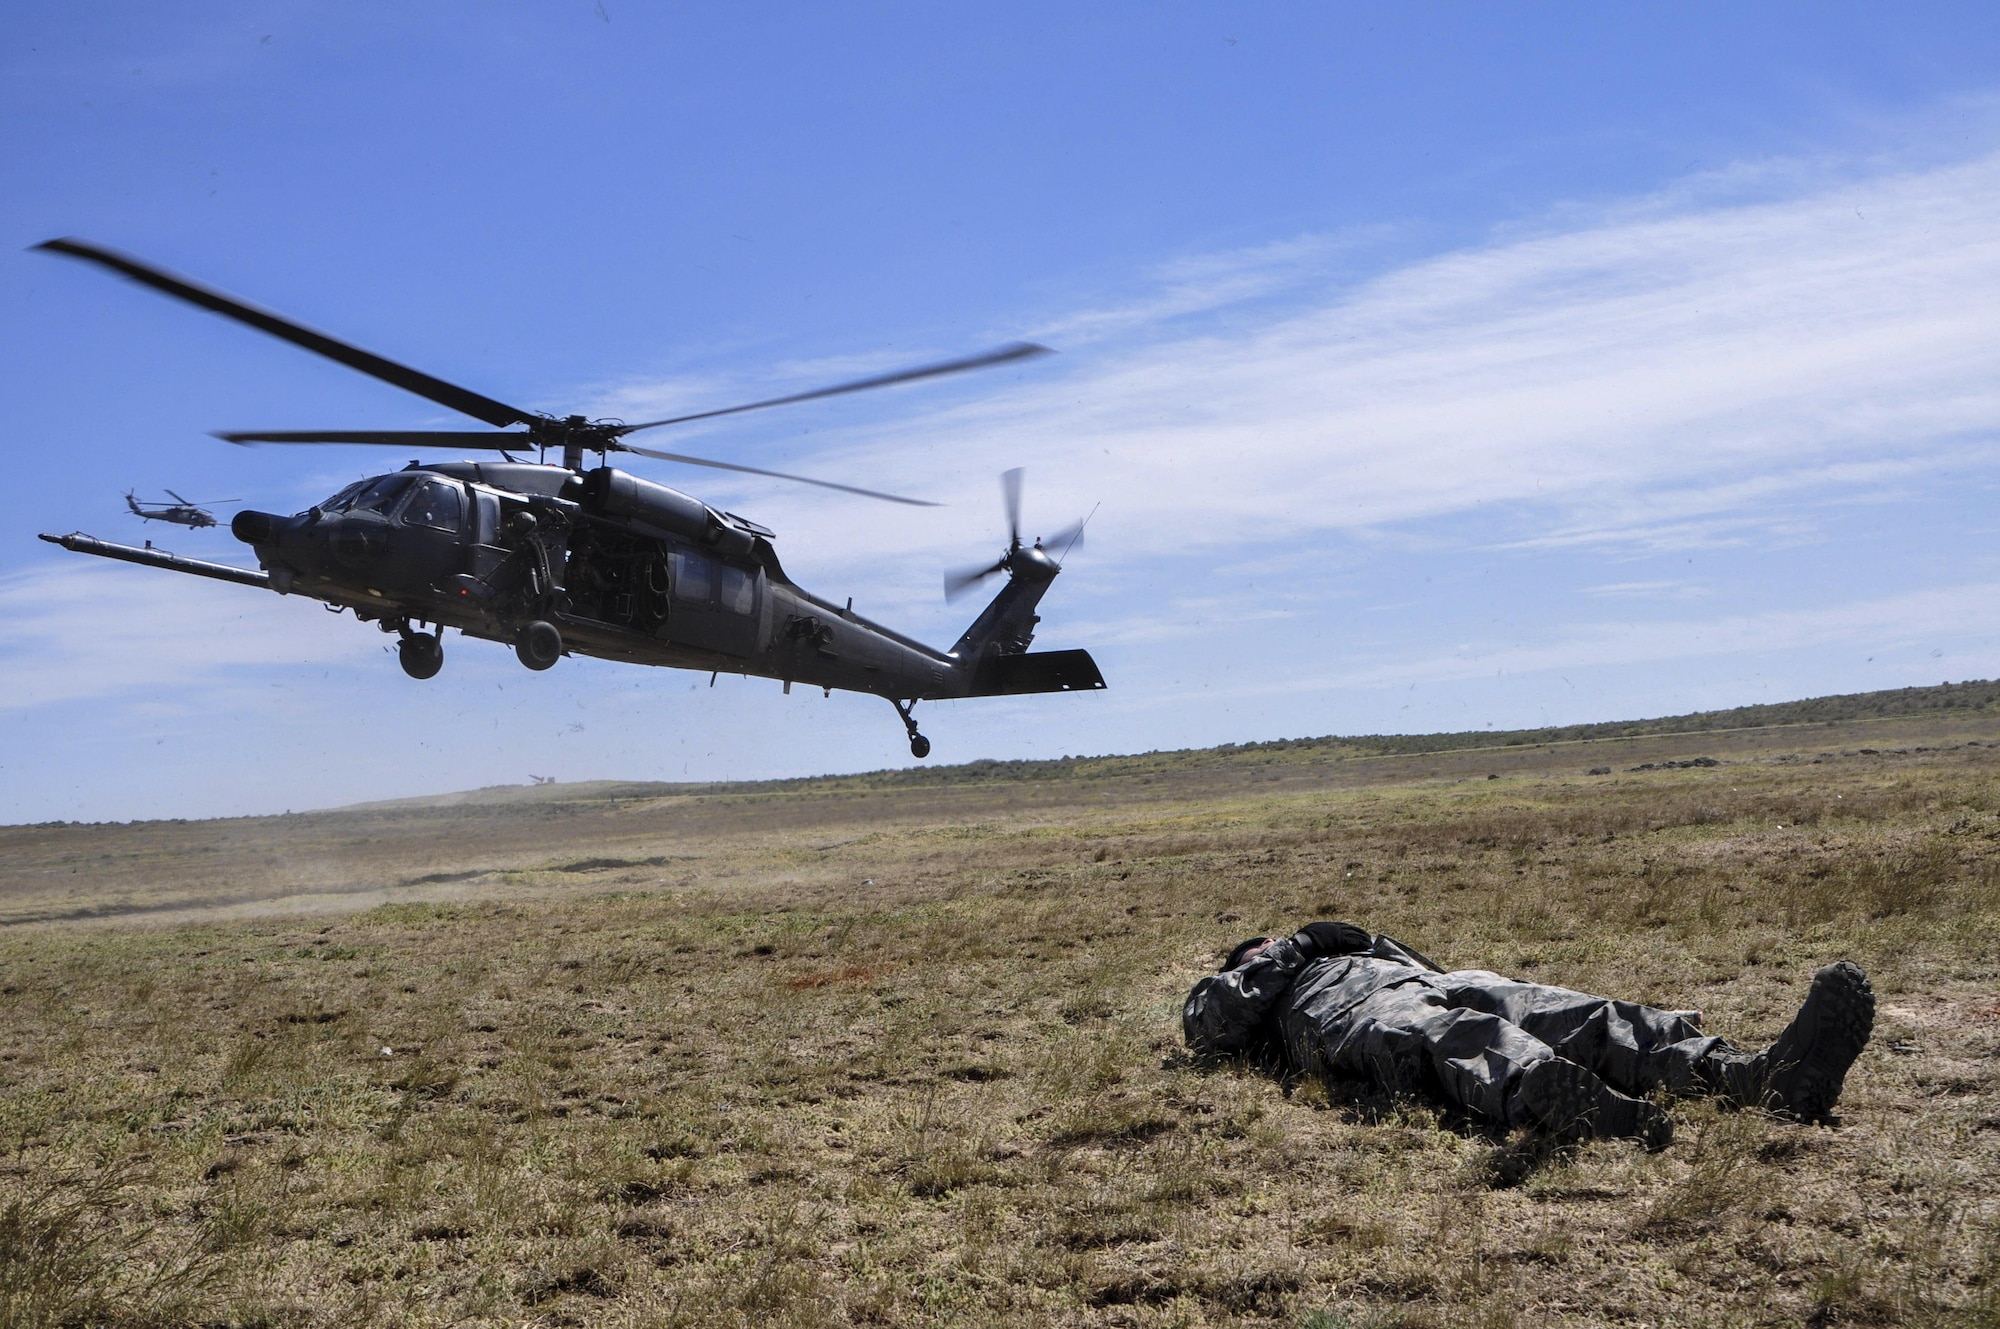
255	528
290	542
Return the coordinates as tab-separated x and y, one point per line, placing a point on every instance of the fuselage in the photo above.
180	514
626	569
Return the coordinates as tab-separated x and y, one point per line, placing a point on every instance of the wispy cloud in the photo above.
92	629
1670	374
1917	619
1648	590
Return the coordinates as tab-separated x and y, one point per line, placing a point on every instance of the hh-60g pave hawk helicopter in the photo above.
559	559
181	512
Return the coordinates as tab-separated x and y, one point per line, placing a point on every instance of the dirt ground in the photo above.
853	1052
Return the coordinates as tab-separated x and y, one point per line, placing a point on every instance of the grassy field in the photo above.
906	1050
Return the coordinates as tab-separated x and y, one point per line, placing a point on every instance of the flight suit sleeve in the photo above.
1329	939
1332	939
1388	948
1230	1013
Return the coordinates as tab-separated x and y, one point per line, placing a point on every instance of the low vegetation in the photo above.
819	1060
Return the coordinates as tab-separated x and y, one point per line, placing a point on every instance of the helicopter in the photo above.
181	512
561	559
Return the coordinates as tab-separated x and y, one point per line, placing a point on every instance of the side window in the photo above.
739	590
692	579
486	517
437	504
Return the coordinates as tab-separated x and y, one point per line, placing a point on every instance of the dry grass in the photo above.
914	1058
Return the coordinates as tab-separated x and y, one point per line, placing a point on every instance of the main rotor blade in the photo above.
182	501
1020	350
1010	488
410	380
775	475
481	439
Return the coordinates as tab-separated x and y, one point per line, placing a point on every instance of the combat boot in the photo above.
1801	1075
1733	1074
1569	1103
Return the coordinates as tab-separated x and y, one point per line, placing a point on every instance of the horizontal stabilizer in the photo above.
1037	671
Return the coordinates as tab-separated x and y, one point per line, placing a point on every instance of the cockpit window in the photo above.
437	504
381	495
339	502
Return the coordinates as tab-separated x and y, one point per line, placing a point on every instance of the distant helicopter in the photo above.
559	559
181	512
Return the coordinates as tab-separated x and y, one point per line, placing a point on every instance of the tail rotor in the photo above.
1055	547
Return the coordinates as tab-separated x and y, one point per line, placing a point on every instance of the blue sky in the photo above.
1428	367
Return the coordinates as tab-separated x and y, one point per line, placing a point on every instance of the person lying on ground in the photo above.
1338	1002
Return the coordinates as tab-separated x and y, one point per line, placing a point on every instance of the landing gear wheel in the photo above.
539	645
920	747
421	654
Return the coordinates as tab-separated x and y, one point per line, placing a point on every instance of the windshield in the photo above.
339	502
381	495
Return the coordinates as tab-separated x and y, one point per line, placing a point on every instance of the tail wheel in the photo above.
920	747
538	645
421	654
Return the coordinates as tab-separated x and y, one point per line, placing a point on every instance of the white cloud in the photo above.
1665	589
1917	619
1671	375
91	628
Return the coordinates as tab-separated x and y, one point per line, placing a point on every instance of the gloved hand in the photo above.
1320	940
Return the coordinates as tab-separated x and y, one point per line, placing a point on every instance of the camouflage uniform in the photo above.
1339	1002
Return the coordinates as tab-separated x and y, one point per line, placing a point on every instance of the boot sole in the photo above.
1809	1089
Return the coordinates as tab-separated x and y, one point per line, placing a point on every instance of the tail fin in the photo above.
1007	625
995	648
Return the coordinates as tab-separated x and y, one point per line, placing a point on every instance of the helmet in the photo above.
1242	952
